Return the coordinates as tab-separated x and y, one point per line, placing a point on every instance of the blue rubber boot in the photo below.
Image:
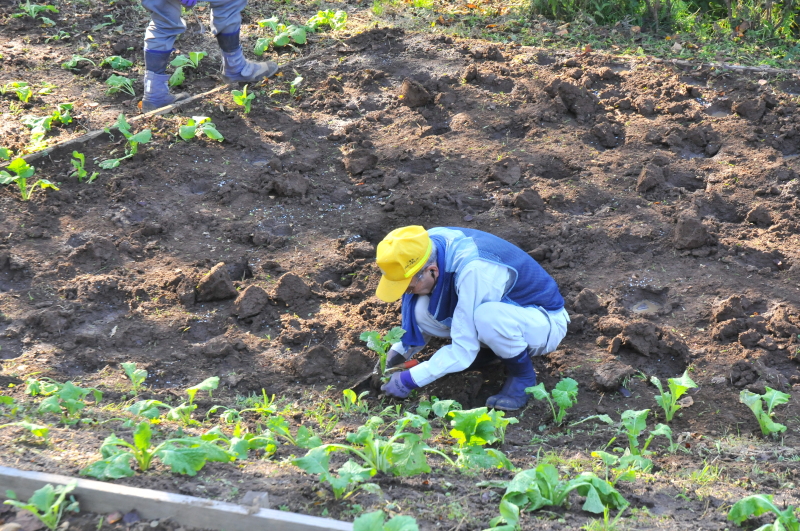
156	81
520	376
237	69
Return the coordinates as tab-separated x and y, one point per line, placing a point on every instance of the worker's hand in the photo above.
395	386
393	359
189	3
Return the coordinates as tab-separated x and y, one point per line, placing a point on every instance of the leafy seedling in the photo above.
79	163
116	62
353	402
440	408
150	409
34	11
21	88
241	97
119	84
382	344
756	403
241	443
336	20
183	455
22	172
132	145
48	503
5	153
35	429
474	428
69	401
564	395
634	423
209	384
305	438
622	468
375	522
192	61
294	86
72	63
759	504
63	113
669	400
137	376
200	125
39	126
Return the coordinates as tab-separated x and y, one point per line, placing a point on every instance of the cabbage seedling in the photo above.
63	114
669	400
193	61
241	97
336	20
200	125
68	402
137	376
39	126
564	395
48	503
23	172
5	153
72	63
761	504
382	344
119	84
22	89
771	398
36	429
116	62
79	163
374	522
34	11
132	146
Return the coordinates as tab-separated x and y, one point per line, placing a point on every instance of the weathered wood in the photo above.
104	498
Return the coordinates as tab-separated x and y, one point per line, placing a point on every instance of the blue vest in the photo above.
529	284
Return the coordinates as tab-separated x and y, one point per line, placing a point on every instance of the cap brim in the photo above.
391	290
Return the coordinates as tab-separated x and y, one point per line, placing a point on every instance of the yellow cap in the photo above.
401	254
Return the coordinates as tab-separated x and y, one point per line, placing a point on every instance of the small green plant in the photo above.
48	503
63	113
193	61
116	62
622	468
137	376
634	422
353	402
305	438
375	522
677	387
241	97
297	34
5	153
132	145
336	20
39	126
23	171
68	401
564	395
440	408
183	455
209	384
199	125
21	88
474	428
72	63
118	83
79	163
759	504
34	11
35	429
295	85
150	409
382	344
756	403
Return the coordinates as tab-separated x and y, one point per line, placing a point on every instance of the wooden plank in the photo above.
103	498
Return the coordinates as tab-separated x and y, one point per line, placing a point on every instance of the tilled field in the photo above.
663	201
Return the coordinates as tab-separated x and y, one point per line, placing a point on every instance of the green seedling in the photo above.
137	376
193	61
294	86
73	62
48	503
116	62
34	11
382	344
241	443
47	88
132	145
353	402
634	423
150	409
209	384
119	84
21	88
39	126
440	408
677	387
61	35
5	153
565	395
199	125
79	163
474	428
305	438
759	504
102	25
35	429
756	403
265	407
63	114
336	20
23	171
241	97
68	402
41	387
283	35
530	490
622	468
375	522
183	455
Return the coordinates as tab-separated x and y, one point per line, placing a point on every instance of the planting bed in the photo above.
664	202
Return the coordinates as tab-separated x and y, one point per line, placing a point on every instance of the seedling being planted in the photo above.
132	146
565	395
382	344
48	503
22	172
184	455
200	125
193	61
756	403
241	97
119	84
759	504
79	163
137	376
669	400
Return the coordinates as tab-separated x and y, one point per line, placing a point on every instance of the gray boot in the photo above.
237	69
156	92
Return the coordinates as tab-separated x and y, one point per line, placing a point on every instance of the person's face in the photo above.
424	281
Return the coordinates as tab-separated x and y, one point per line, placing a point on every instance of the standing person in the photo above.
476	289
166	24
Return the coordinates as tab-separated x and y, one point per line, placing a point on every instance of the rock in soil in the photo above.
216	285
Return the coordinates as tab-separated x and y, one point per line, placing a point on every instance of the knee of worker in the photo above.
492	327
161	37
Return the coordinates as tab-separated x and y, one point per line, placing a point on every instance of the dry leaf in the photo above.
636	29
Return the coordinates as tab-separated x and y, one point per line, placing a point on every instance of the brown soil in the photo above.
663	201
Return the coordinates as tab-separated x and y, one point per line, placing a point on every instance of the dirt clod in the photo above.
216	285
250	302
414	94
609	376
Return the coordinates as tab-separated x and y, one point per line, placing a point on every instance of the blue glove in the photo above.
399	385
189	3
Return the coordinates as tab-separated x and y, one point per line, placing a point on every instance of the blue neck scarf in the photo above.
443	299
